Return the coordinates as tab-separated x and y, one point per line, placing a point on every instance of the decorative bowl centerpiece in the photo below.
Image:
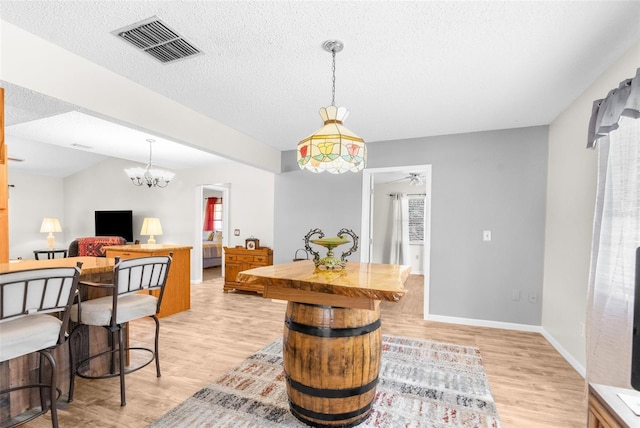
330	262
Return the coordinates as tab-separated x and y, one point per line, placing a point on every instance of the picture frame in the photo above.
252	243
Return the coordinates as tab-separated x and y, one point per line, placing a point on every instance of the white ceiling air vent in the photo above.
158	40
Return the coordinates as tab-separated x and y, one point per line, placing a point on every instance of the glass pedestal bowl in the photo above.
330	262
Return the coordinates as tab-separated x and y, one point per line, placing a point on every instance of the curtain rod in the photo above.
409	194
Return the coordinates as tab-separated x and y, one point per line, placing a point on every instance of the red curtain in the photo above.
208	214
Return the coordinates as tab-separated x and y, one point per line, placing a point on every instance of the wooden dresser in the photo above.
177	291
607	410
238	259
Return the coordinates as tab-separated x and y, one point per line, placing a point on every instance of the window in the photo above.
217	215
212	214
615	125
416	220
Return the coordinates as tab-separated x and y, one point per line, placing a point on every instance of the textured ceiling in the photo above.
408	69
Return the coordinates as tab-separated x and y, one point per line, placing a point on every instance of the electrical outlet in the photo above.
236	232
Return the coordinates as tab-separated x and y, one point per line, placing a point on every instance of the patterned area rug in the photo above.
421	384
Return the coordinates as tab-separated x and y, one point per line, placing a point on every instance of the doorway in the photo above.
378	184
200	264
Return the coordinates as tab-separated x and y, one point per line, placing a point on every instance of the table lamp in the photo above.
151	226
50	225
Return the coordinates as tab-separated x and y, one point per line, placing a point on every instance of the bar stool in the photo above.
28	301
131	298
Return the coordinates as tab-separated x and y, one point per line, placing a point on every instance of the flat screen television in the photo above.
114	223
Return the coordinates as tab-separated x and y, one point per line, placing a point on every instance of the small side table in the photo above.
50	252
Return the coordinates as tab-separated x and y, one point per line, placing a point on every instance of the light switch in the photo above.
486	235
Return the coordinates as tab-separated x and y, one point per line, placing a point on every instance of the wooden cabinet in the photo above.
238	259
607	410
177	291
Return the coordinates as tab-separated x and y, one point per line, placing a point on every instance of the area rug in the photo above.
421	384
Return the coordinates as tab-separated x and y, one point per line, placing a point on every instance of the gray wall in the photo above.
304	201
493	180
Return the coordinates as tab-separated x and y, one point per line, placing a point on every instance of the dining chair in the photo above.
34	316
131	297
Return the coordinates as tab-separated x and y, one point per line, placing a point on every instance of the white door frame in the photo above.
367	216
226	224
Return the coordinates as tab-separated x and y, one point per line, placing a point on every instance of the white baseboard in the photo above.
567	356
513	326
485	323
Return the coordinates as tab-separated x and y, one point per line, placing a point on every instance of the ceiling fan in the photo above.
414	178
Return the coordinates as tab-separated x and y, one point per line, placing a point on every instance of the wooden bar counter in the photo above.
177	291
90	265
332	337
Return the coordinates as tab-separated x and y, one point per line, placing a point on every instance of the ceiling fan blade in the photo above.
399	179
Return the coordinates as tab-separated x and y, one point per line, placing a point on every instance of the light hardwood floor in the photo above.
531	383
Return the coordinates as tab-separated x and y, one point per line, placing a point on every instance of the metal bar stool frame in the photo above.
40	292
132	279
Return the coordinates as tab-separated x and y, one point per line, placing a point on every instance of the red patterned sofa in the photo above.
93	246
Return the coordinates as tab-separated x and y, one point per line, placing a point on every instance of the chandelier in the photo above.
332	148
152	177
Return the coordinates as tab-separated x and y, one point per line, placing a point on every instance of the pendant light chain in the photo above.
333	81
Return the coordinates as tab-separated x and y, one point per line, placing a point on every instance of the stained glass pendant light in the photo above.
332	148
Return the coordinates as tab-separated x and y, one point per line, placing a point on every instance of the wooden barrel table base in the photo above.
331	362
332	341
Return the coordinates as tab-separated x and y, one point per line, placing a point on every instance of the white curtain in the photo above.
616	236
399	229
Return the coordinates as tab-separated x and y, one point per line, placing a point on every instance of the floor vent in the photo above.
158	40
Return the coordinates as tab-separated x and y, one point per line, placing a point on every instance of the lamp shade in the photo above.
332	148
151	226
50	225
